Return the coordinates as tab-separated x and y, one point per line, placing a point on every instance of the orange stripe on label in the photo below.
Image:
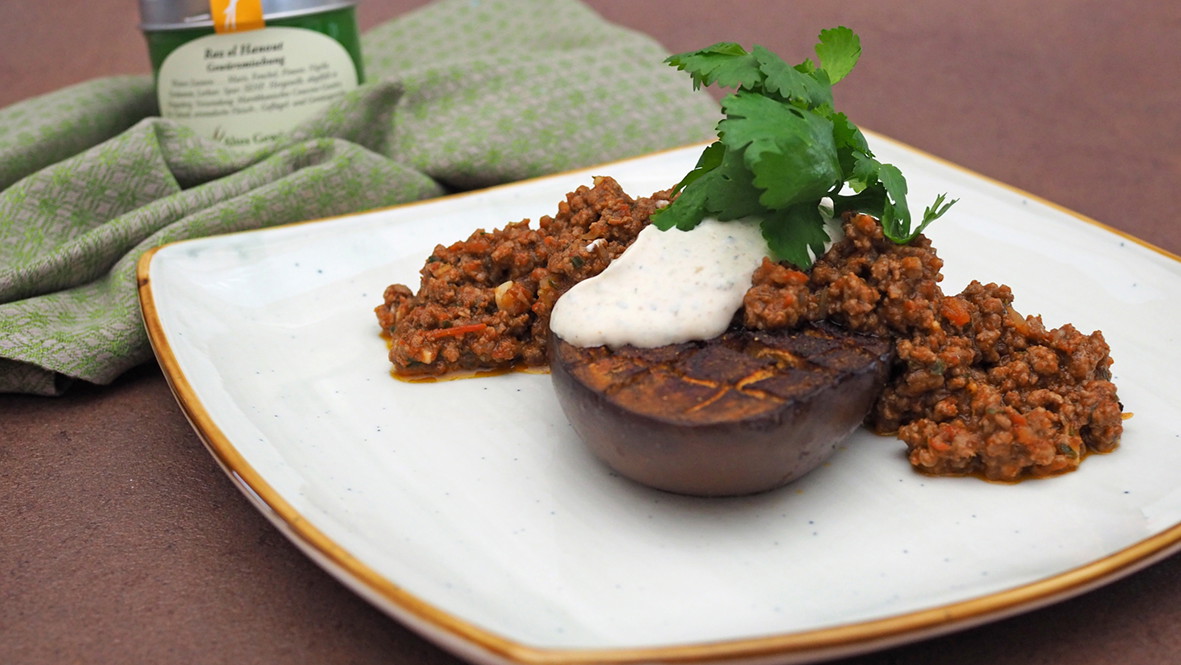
236	15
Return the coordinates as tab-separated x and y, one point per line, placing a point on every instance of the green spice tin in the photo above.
246	72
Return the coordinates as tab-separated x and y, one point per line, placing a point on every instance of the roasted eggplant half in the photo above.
745	412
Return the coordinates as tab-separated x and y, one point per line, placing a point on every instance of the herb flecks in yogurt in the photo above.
668	287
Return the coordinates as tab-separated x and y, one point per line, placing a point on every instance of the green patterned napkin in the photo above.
461	94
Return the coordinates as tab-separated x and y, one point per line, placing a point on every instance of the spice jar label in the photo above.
250	89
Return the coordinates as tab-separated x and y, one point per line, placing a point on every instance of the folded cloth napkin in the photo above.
461	94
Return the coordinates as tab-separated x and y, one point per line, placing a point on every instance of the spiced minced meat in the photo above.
484	303
976	388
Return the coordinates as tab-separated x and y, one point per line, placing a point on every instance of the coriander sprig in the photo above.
782	149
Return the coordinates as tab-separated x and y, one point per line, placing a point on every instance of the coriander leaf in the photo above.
870	200
864	172
783	151
895	215
850	142
795	234
731	190
934	212
881	191
709	160
685	212
725	191
839	50
791	152
807	67
727	64
810	89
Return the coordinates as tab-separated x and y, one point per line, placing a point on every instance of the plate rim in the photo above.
468	640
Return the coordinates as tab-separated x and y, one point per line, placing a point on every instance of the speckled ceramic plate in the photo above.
469	510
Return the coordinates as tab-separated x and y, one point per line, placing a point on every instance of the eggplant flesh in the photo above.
745	412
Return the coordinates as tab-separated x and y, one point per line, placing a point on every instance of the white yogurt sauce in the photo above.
668	287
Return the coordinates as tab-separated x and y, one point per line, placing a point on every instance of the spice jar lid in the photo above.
181	14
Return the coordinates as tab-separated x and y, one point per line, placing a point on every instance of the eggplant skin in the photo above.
745	412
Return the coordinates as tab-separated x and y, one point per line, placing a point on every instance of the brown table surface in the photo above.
121	541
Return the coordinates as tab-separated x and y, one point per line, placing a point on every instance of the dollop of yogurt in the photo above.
668	287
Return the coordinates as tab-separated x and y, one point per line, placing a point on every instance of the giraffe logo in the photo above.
229	18
236	15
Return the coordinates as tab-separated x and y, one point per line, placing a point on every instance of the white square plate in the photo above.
469	510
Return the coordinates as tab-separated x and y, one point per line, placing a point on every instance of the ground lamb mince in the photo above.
976	388
484	303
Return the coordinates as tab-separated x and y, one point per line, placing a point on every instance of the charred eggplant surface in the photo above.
742	413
